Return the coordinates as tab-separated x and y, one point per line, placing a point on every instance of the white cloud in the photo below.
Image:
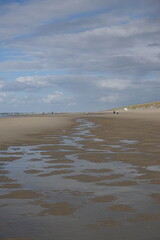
6	98
117	84
35	81
18	19
2	96
57	97
2	83
109	98
116	48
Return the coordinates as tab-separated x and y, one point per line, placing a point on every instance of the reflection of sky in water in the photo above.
154	168
67	141
97	140
127	141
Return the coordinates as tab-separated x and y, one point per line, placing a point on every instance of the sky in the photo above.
78	55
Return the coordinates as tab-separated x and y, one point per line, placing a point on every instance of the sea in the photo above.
14	114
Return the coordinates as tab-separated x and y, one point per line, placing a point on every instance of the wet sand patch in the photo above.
60	161
109	223
32	171
106	198
50	154
121	208
137	159
3	147
56	172
4	225
90	178
6	179
11	186
120	184
97	170
106	223
95	157
4	172
22	194
15	239
58	166
13	153
145	217
8	159
92	226
156	196
78	193
155	181
2	164
35	160
4	205
150	175
58	209
57	154
52	147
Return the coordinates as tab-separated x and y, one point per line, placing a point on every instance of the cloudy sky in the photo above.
78	55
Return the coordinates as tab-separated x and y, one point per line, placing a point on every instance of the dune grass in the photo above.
151	105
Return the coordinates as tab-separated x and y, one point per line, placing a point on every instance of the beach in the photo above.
78	176
21	129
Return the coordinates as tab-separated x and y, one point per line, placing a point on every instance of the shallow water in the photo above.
83	185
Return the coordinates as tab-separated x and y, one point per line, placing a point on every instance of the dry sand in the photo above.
139	114
25	129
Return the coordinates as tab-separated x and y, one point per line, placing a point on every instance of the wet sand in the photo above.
79	177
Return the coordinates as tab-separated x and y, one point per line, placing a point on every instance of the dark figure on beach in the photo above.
114	112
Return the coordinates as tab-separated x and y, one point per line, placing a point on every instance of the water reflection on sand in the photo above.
85	184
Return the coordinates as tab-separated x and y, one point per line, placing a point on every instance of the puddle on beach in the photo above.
86	184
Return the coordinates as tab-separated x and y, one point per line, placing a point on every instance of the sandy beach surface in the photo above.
16	130
77	176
